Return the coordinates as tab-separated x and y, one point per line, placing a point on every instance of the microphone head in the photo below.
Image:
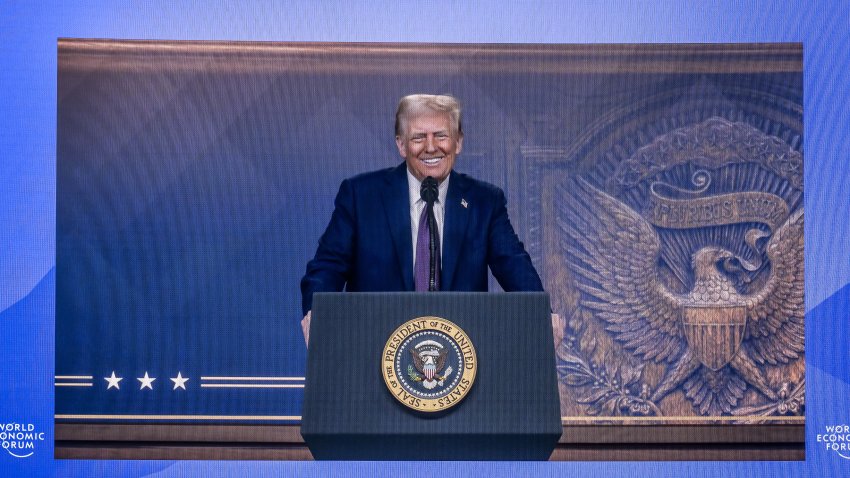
428	192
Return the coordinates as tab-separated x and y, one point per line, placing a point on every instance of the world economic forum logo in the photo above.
20	439
836	439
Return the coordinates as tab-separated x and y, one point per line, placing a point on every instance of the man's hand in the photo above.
305	327
558	326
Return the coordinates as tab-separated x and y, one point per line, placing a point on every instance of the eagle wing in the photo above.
775	330
417	361
441	360
613	253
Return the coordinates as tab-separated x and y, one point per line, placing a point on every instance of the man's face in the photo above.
429	145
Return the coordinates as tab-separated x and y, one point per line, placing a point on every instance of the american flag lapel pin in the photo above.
464	203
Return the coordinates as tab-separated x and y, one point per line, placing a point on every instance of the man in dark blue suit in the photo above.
371	241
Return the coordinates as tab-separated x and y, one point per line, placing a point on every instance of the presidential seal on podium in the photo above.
429	364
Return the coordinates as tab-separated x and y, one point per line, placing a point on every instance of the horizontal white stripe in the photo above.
251	385
255	378
178	417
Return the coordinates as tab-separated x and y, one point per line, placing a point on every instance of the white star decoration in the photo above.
113	381
179	381
146	382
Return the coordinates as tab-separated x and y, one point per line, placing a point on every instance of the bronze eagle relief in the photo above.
689	260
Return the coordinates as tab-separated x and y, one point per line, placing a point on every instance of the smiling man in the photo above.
376	240
429	135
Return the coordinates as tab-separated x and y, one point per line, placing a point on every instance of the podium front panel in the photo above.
510	412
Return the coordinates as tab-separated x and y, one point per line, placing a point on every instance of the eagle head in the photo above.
706	261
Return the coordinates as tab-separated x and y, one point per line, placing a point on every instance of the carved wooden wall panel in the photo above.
671	237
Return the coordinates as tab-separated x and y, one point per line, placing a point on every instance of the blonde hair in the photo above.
414	105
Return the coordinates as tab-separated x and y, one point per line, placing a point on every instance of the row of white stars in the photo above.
146	381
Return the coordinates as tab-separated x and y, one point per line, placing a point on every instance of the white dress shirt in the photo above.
414	187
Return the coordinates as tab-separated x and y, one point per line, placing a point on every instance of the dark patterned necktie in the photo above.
423	255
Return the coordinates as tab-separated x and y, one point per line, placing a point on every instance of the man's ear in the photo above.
402	146
459	144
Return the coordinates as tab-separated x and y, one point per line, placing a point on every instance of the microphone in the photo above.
428	191
429	194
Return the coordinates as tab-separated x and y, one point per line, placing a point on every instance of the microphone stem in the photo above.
429	194
432	244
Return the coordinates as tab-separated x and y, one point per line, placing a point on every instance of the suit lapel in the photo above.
456	220
397	207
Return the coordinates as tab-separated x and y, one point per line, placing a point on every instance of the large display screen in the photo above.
163	197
